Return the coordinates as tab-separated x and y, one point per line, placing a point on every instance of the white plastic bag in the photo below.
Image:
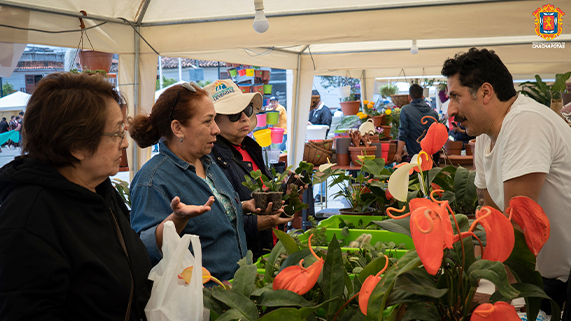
172	299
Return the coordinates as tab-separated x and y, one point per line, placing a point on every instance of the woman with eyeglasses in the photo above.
67	250
182	184
237	155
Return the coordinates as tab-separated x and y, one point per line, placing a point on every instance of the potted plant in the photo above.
426	86
361	191
266	190
95	60
547	94
388	90
442	89
349	105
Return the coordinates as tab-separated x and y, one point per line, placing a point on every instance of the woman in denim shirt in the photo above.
182	184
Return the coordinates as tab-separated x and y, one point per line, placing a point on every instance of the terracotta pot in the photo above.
392	152
386	131
263	198
374	138
378	120
95	60
350	107
343	159
349	211
361	150
453	148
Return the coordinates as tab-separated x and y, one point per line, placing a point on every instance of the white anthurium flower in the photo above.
367	127
324	167
398	182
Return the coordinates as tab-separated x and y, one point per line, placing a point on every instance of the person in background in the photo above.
523	148
282	122
20	121
458	132
411	127
238	155
67	251
184	185
319	114
4	125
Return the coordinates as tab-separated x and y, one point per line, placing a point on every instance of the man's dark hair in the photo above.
21	113
4	118
17	117
314	92
415	92
478	66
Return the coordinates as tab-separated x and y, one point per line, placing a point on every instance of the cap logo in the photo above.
221	89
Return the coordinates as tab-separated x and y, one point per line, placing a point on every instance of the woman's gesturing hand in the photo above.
185	212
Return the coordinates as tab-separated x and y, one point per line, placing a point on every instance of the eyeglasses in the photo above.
190	87
249	110
121	133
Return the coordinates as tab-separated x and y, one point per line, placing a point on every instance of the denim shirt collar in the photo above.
164	150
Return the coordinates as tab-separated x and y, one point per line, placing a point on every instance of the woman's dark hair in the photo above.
67	112
147	130
478	66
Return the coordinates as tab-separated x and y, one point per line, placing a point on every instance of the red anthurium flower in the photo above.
499	311
435	138
428	237
424	160
388	194
297	278
437	189
368	286
532	219
499	234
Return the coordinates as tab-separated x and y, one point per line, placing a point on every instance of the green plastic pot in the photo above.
268	89
272	117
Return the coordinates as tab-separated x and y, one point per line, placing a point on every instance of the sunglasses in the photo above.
249	110
188	86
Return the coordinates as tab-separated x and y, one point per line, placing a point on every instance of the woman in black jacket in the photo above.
67	250
238	155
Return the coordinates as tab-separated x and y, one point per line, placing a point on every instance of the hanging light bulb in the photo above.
261	24
414	48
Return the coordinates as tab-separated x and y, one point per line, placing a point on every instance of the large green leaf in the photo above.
534	292
419	282
287	241
398	226
307	312
285	314
421	311
353	314
237	301
279	298
244	280
560	79
522	265
372	268
495	273
232	314
333	281
276	251
257	292
465	190
295	258
211	303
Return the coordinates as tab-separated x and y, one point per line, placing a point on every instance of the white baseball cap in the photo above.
228	99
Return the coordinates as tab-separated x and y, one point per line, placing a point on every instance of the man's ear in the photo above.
487	92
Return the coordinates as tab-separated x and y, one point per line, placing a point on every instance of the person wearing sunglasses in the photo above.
237	155
183	185
67	250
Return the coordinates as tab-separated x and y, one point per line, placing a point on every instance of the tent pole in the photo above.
364	86
296	109
136	97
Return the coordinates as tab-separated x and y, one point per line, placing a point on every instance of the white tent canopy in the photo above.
358	38
15	101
